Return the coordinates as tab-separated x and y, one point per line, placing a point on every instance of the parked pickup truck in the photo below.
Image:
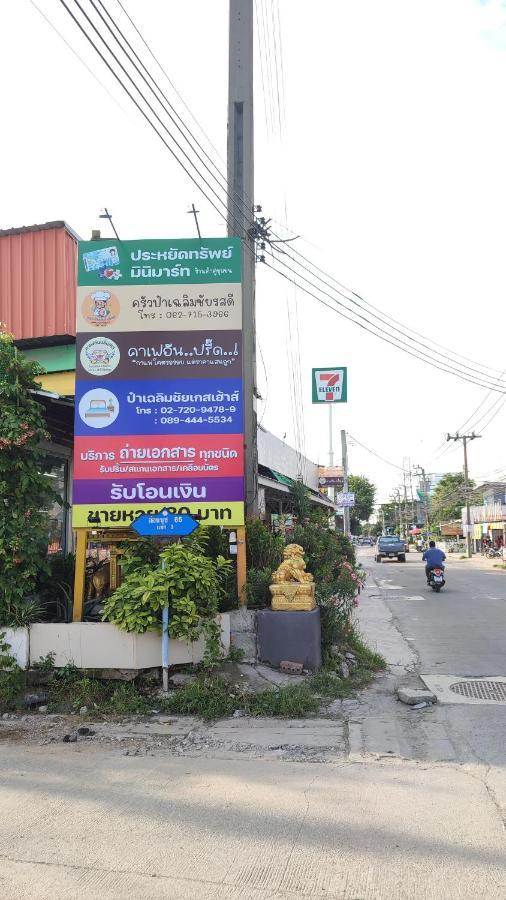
389	546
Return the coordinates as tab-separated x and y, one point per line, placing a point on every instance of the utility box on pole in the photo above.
240	221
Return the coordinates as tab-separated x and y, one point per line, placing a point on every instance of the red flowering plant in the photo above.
25	492
330	557
337	601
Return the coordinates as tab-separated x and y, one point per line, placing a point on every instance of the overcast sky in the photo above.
390	164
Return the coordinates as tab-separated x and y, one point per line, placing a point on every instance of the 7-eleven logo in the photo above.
329	384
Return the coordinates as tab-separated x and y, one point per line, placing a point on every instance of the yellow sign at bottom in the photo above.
111	515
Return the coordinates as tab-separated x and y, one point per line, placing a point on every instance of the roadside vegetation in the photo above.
208	693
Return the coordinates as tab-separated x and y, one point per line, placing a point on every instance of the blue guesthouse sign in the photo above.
164	524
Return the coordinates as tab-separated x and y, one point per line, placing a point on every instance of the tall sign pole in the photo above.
330	385
346	510
240	155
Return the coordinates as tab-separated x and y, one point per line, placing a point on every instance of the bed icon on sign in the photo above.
98	408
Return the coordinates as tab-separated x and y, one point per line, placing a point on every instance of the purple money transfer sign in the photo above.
156	490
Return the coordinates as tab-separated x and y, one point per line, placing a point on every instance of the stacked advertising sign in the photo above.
159	405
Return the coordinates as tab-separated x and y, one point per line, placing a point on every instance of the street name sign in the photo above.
164	524
345	499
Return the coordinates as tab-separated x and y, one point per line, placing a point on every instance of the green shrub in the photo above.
69	689
212	697
294	701
264	548
25	491
257	587
12	677
137	554
191	584
55	588
126	700
209	696
264	554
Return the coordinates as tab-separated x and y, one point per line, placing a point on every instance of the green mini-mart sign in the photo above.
164	262
330	385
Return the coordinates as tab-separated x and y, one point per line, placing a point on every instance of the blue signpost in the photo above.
165	524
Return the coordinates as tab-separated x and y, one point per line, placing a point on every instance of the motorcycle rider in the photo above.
433	559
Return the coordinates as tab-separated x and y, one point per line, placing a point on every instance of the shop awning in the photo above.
276	482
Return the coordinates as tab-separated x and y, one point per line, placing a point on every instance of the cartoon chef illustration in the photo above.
100	304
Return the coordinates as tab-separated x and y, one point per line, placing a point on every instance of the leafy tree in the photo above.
448	498
388	514
24	490
264	554
364	492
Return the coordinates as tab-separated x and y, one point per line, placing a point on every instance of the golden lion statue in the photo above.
293	567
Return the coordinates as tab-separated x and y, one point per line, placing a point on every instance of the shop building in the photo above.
488	521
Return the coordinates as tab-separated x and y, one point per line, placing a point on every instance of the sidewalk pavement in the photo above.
477	561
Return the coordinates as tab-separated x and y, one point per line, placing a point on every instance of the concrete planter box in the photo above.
100	645
19	642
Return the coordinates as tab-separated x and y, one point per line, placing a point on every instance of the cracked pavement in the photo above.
373	800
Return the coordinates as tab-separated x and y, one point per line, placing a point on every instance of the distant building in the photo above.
489	519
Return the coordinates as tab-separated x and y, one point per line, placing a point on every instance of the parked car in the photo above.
389	546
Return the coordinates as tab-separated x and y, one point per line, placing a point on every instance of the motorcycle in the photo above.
493	553
436	579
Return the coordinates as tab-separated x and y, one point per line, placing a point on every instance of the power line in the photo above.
173	86
171	110
134	101
266	400
76	54
443	448
349	299
378	455
498	410
400	345
139	91
405	329
423	355
400	330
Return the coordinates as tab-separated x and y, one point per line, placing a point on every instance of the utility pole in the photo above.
195	212
107	215
240	217
396	496
421	472
465	438
346	509
406	524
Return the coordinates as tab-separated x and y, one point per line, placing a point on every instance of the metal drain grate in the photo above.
480	690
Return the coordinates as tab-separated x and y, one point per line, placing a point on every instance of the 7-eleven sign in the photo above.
330	385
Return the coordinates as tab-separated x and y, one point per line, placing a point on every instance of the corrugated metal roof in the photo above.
44	226
38	280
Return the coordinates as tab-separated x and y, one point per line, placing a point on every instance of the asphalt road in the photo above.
461	630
